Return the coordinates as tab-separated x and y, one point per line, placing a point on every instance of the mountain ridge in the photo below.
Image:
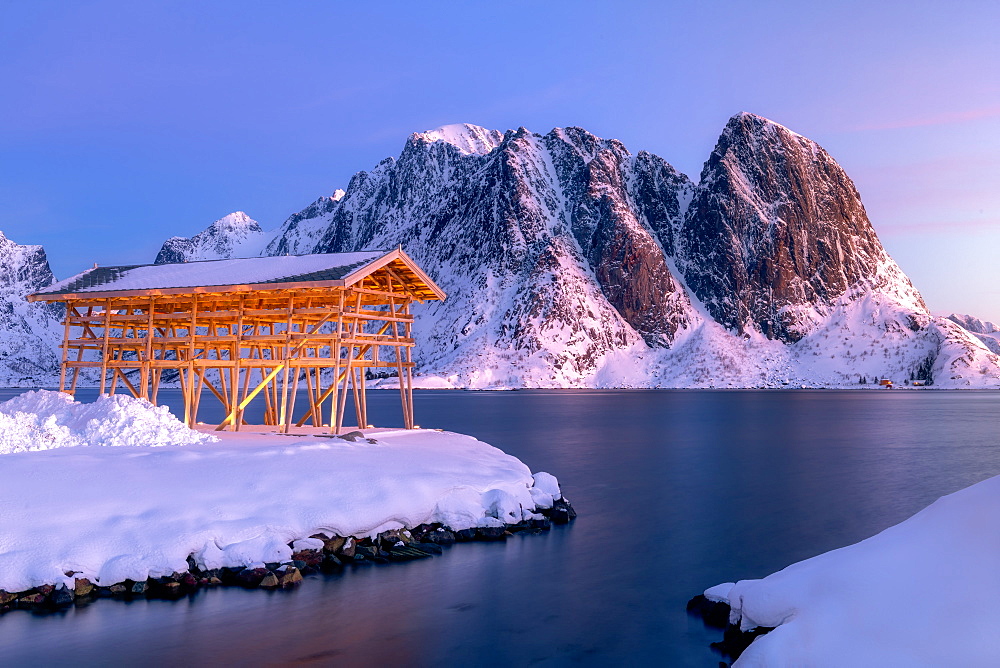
572	262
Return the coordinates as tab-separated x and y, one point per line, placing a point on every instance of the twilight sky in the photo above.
124	123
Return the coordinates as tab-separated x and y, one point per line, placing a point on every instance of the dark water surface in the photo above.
676	490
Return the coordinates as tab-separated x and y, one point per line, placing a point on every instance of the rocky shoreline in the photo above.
319	552
715	614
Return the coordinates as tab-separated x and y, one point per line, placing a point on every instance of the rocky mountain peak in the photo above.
780	233
467	138
30	333
26	268
570	261
233	235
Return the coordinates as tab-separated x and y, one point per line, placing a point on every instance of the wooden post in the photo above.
65	351
104	345
147	363
236	357
335	412
189	399
411	423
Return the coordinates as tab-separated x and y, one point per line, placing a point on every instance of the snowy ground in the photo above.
131	512
921	593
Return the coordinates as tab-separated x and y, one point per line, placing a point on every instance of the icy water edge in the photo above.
676	490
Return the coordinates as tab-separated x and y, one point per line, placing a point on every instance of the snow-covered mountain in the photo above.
235	235
985	331
30	334
570	261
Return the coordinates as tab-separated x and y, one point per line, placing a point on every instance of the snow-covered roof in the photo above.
237	274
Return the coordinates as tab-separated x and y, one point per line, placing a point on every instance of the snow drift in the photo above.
44	420
921	593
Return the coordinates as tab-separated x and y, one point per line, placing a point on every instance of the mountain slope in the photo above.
30	334
235	235
569	261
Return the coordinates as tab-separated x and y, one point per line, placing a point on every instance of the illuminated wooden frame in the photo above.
265	338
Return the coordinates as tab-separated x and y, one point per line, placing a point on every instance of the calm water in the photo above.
676	490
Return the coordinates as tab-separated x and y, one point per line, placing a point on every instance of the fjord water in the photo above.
676	491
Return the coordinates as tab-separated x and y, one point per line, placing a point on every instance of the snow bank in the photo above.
111	514
44	420
921	593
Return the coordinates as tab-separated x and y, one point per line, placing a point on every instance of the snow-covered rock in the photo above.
987	332
30	334
921	593
235	235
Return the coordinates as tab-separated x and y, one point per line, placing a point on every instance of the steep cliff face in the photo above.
987	332
777	233
570	261
548	266
235	235
29	333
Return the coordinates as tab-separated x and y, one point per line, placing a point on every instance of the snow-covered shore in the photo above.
921	593
111	514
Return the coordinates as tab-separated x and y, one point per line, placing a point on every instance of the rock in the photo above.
388	539
308	558
118	589
562	512
366	551
541	523
269	581
331	564
352	436
348	549
31	600
465	535
333	545
406	553
289	576
491	533
439	536
188	581
62	596
140	587
734	641
429	548
713	613
372	554
6	597
45	589
418	532
252	577
214	581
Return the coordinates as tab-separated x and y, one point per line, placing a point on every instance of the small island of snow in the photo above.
73	510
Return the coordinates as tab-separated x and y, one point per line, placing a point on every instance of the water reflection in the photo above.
676	491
